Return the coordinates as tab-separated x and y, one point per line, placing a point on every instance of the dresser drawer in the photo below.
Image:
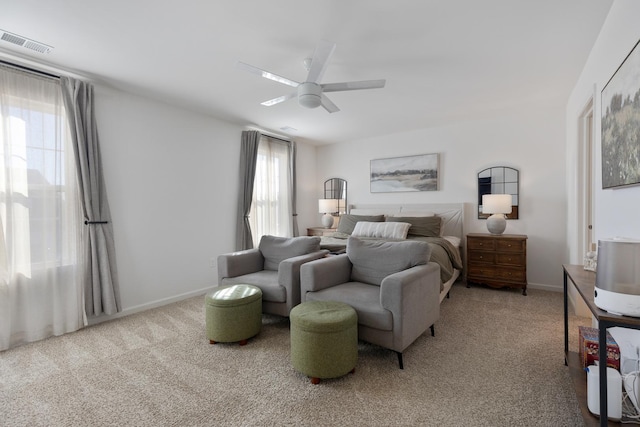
510	245
511	274
505	258
479	243
482	257
481	271
496	275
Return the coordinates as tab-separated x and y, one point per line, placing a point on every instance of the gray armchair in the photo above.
274	267
392	286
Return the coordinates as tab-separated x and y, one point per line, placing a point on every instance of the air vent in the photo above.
24	42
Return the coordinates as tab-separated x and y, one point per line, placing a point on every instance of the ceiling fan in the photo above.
310	93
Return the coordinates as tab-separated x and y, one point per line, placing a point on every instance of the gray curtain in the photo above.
101	289
292	189
248	158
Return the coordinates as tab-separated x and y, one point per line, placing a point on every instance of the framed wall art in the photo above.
409	173
620	124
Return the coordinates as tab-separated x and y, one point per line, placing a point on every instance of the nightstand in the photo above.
497	260
320	231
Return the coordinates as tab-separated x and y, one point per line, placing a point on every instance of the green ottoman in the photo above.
324	339
234	313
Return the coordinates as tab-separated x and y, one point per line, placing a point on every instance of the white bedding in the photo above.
451	231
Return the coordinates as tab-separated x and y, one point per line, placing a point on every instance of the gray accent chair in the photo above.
274	267
392	286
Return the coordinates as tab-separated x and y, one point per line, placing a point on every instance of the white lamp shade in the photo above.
496	203
327	205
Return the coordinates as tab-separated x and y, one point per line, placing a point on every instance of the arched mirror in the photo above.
499	180
336	188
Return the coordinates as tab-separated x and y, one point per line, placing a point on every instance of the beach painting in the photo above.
409	173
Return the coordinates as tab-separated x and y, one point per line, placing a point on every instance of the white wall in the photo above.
171	176
172	182
529	138
308	189
616	210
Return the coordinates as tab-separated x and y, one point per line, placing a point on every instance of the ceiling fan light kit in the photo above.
310	92
309	95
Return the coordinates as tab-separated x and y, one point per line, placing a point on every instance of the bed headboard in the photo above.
452	214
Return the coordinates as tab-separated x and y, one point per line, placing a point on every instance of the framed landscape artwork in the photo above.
410	173
620	115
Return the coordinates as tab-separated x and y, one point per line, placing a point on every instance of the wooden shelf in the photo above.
579	378
584	282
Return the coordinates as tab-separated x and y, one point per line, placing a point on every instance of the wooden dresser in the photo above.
497	260
320	231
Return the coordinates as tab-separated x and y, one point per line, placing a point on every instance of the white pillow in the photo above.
384	230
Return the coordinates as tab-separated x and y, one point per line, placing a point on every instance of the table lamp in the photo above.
327	207
497	205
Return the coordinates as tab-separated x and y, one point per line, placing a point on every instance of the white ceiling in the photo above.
444	60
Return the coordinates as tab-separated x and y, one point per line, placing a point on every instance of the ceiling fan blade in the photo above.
364	84
279	99
328	105
320	60
266	74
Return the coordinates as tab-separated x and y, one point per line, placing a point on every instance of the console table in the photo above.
584	281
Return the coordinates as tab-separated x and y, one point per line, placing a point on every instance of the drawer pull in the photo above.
481	257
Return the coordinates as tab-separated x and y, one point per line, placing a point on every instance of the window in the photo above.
40	217
37	177
271	202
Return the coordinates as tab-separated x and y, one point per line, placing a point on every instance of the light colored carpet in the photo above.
496	360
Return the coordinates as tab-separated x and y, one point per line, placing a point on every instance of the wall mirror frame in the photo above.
500	180
336	188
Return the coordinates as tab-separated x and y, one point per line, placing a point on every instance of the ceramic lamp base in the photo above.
496	224
327	220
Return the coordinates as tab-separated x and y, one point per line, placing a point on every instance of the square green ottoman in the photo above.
234	313
324	339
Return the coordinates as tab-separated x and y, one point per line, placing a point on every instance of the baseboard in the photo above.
202	291
149	305
544	287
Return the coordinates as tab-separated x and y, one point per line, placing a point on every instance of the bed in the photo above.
446	248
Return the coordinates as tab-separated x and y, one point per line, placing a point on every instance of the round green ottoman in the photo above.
324	339
234	313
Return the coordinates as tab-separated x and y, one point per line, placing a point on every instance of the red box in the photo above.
588	347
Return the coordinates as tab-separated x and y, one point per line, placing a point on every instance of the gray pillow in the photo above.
373	260
427	226
276	249
348	222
